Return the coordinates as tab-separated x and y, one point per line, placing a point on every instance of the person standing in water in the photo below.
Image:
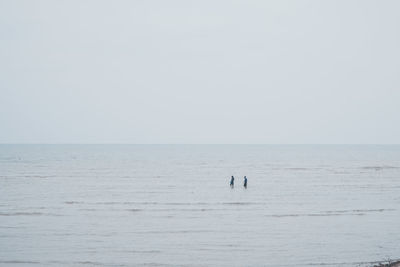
245	182
232	182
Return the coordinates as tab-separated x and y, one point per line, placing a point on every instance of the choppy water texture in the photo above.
151	205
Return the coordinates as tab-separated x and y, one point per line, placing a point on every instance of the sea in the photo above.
171	205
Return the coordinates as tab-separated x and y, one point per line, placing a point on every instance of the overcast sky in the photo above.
199	71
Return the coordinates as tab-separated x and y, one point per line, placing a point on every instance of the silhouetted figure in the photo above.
245	182
232	182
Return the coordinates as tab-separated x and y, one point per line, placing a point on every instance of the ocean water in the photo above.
171	205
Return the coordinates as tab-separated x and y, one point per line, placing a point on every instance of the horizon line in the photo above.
200	144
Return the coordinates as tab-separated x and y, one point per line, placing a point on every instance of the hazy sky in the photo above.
199	71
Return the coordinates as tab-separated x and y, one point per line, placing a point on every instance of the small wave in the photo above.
73	202
240	203
174	232
163	203
27	176
109	203
27	214
38	176
230	249
312	215
89	263
11	227
139	251
170	210
122	203
358	210
154	264
183	203
353	212
195	210
379	168
205	203
93	209
134	210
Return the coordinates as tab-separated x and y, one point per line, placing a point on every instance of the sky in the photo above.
209	71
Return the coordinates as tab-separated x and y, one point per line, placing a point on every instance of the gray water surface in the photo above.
171	205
